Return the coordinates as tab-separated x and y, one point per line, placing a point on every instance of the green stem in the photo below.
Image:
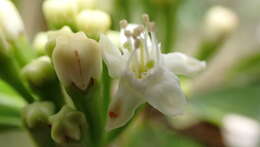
89	102
10	73
51	91
209	47
106	90
42	136
22	50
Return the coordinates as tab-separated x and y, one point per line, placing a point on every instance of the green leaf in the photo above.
214	105
157	136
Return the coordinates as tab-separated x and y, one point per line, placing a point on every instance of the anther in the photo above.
151	27
123	23
128	33
146	18
137	43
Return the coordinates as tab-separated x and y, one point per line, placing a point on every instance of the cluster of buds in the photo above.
80	15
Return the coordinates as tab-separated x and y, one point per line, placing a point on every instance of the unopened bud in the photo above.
10	21
59	13
39	43
77	60
93	22
37	114
220	21
52	36
39	71
86	4
68	125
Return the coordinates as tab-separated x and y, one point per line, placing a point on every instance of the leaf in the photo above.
241	100
157	136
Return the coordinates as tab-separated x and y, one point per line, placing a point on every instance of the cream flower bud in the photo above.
39	43
37	114
77	60
86	4
39	71
52	36
220	21
68	125
93	22
60	12
10	21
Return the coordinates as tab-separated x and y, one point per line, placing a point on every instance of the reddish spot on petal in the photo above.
113	114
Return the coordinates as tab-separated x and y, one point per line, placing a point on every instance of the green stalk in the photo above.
89	102
22	50
106	90
208	48
10	73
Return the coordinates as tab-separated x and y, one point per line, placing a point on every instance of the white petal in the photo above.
124	104
112	56
182	64
163	92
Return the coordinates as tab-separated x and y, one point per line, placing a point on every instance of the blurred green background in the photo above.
227	92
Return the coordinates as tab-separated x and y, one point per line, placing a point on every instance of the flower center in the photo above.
143	47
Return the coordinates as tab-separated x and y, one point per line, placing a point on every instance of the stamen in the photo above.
155	44
146	18
151	27
123	24
128	33
137	43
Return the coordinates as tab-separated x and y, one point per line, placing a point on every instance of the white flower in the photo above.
10	21
76	59
145	74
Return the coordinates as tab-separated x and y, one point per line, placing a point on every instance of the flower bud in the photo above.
93	22
77	60
37	114
39	43
86	4
39	71
59	13
68	125
10	21
52	36
220	21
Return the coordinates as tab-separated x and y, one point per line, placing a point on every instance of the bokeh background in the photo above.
224	100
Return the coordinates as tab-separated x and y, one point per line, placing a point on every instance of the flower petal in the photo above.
182	64
163	92
112	56
124	104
